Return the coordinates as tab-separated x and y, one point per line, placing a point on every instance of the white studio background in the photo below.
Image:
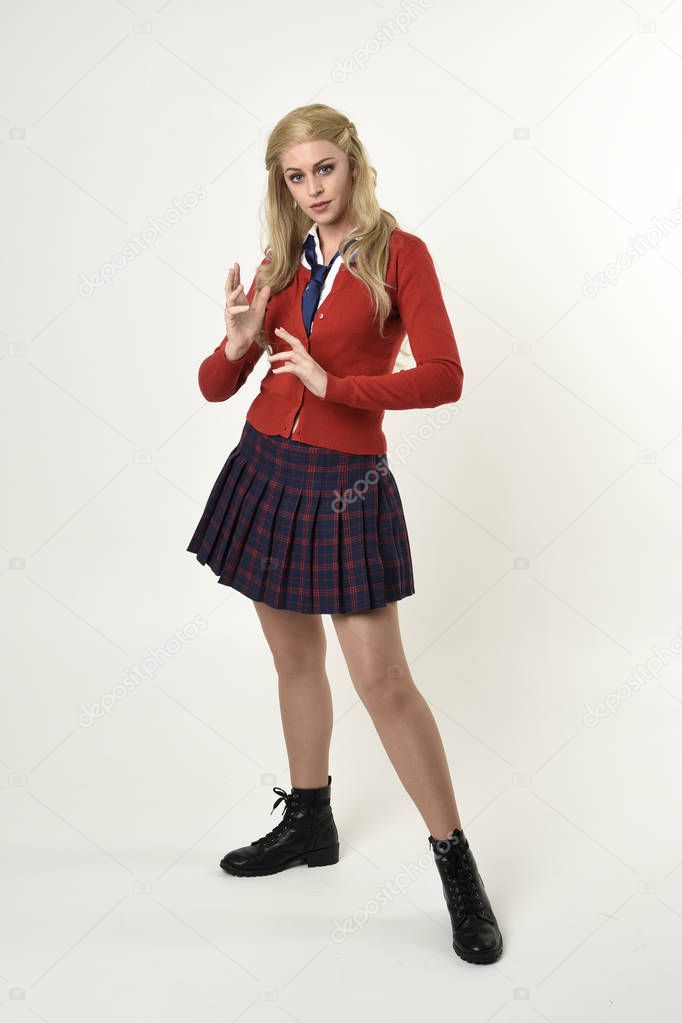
535	148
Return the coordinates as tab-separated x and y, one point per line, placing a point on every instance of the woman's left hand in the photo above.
301	364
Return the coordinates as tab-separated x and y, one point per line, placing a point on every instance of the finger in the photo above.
229	283
287	336
237	308
233	282
236	295
263	296
281	356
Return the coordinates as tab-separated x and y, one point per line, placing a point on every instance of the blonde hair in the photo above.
286	224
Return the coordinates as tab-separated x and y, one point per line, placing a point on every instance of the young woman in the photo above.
305	517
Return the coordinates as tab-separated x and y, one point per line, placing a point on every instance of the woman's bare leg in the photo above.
373	650
298	645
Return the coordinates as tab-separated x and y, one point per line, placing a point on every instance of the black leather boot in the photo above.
306	834
476	937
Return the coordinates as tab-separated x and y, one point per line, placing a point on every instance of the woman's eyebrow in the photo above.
326	160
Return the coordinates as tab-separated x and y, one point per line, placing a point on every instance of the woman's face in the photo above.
319	173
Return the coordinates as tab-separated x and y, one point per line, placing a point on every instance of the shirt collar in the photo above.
318	248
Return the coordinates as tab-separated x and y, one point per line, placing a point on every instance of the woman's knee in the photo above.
293	661
385	692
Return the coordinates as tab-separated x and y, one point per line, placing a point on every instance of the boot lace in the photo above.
291	800
462	885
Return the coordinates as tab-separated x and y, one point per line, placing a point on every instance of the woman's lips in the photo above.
320	206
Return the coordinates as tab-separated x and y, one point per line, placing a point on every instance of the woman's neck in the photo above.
330	239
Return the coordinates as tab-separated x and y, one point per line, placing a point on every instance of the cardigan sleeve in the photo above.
219	378
437	378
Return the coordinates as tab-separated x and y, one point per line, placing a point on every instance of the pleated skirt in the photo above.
305	528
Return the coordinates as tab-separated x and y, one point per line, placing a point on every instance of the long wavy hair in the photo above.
286	224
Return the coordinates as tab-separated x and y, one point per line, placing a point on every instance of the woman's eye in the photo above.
325	166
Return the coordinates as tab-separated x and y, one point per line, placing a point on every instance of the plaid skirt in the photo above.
305	528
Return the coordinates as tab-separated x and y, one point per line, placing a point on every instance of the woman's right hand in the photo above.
243	322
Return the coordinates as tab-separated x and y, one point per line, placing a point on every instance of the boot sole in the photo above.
314	858
490	955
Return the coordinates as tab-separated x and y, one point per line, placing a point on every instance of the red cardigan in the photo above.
346	343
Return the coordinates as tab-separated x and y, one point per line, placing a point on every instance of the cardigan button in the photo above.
321	316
